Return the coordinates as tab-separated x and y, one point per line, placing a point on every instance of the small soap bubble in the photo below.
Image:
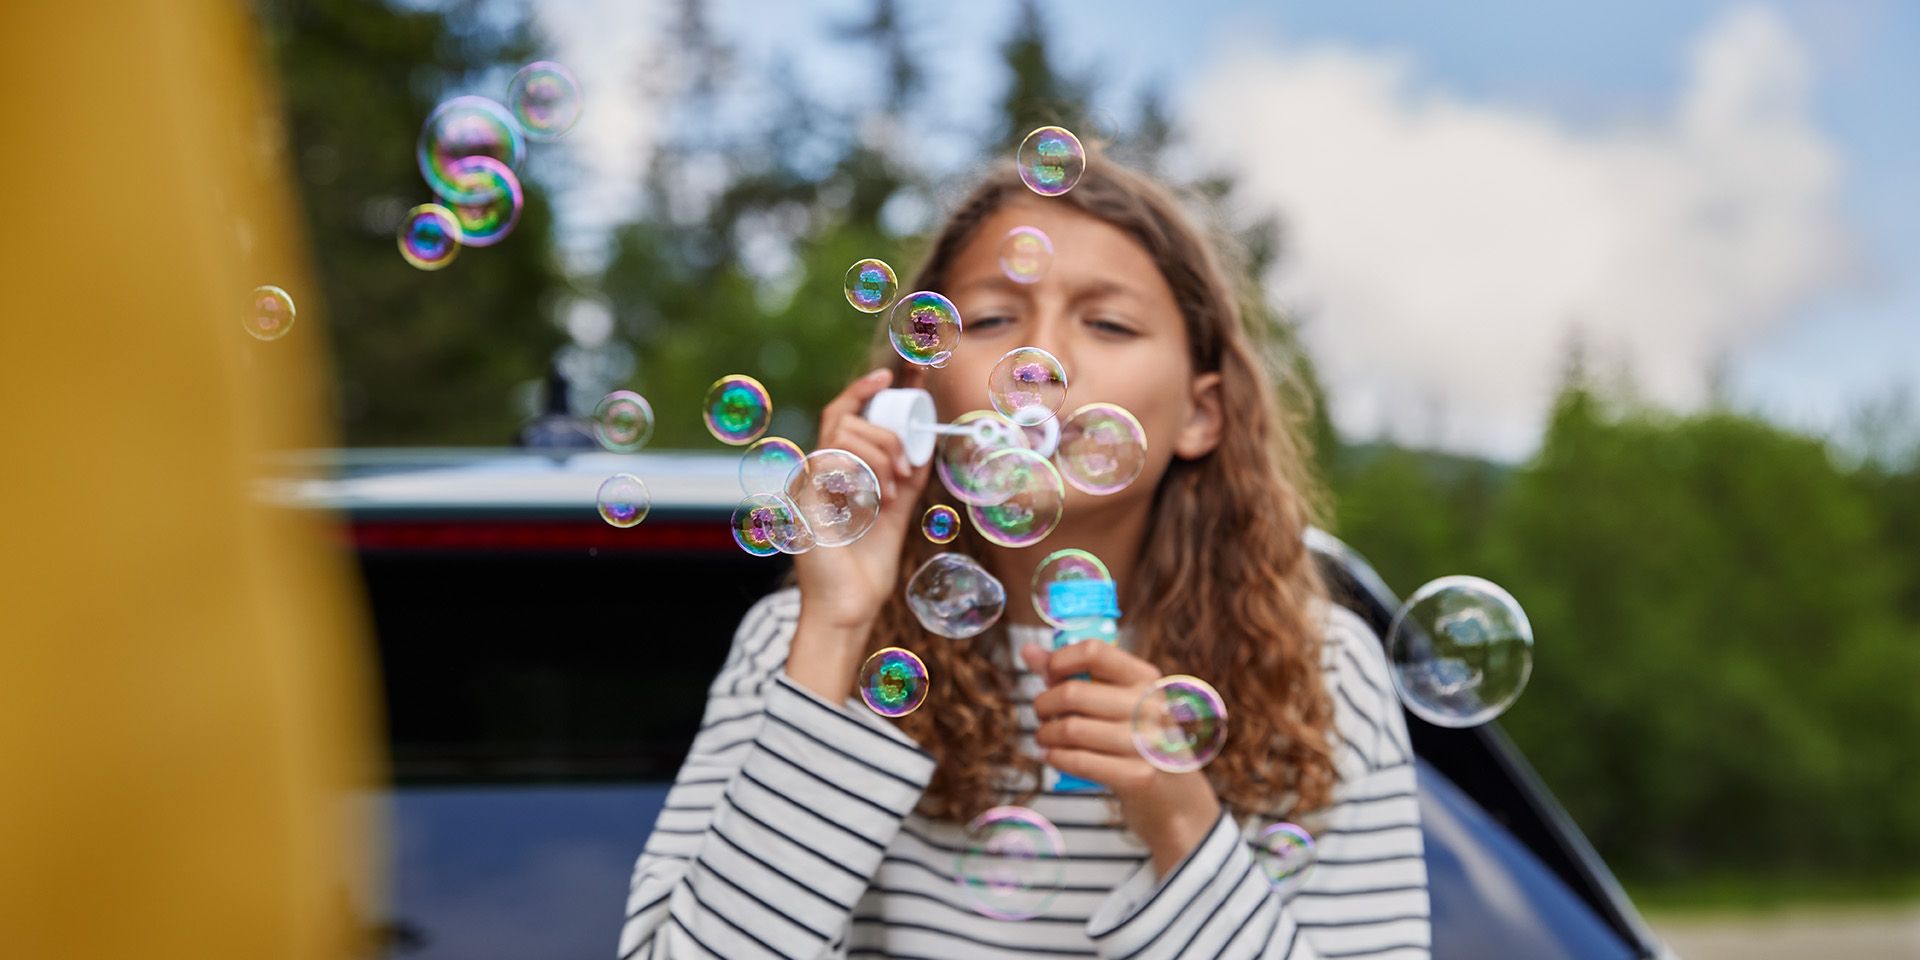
871	285
1028	385
545	99
1180	724
468	127
1064	566
1025	254
738	409
1028	498
765	466
941	523
1461	650
484	223
1285	854
924	328
269	313
1013	865
957	462
953	596
767	523
837	494
623	421
1102	448
624	500
429	236
893	682
1051	161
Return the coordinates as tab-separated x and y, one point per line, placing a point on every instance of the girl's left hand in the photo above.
1086	729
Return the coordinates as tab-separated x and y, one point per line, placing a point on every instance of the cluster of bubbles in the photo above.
1461	651
767	523
622	422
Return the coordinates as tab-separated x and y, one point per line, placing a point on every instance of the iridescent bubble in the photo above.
767	464
1051	161
545	99
953	596
738	409
958	460
1285	854
624	500
468	127
837	494
871	285
623	421
924	327
1180	724
767	523
1025	254
893	682
1028	385
269	313
941	523
1461	650
429	236
484	223
1033	501
1013	865
1102	448
1064	566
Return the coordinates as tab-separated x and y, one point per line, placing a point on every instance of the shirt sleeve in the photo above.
1218	903
779	818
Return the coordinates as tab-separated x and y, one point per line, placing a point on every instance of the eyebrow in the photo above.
1000	284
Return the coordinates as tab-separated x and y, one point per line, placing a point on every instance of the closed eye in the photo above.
1112	328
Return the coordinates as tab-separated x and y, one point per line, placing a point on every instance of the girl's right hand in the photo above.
842	589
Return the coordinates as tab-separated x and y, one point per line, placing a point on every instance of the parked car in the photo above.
544	673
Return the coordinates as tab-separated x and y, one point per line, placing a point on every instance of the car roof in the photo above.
433	480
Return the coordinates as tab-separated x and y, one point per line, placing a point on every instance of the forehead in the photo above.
1087	251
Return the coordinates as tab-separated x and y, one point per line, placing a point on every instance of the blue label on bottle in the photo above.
1079	599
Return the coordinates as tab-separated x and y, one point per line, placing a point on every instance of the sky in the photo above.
1716	195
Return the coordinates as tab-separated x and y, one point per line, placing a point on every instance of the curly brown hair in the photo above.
1225	588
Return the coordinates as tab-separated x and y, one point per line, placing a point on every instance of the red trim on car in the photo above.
658	536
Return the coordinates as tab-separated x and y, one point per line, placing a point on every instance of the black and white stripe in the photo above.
790	834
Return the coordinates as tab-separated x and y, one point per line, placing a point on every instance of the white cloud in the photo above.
1442	252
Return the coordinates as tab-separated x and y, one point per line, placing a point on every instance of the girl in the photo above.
805	825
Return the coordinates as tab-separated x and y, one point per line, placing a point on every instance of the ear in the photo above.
1201	433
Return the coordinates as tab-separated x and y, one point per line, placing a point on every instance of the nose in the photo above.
1052	331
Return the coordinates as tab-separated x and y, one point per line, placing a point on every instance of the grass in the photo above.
1746	893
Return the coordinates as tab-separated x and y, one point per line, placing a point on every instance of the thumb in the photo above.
1036	657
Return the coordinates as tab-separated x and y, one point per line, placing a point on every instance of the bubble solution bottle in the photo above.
1087	610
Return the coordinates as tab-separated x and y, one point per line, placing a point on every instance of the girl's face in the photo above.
1106	312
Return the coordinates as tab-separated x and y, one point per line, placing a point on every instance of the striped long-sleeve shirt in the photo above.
790	833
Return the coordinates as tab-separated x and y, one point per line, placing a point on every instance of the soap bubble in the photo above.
1461	650
623	421
941	523
1285	854
1028	497
1051	161
429	236
871	285
545	99
767	464
767	523
484	223
1064	566
837	494
624	500
1102	448
1013	865
893	682
1180	724
467	127
958	459
269	313
1025	254
1028	385
954	596
924	328
738	409
1043	438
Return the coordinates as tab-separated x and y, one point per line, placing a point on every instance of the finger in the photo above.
1036	657
1120	774
886	440
870	455
854	398
1087	698
1103	661
1087	733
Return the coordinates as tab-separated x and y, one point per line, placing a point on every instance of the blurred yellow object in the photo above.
184	681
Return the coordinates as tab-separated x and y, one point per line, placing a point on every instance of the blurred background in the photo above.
1617	305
